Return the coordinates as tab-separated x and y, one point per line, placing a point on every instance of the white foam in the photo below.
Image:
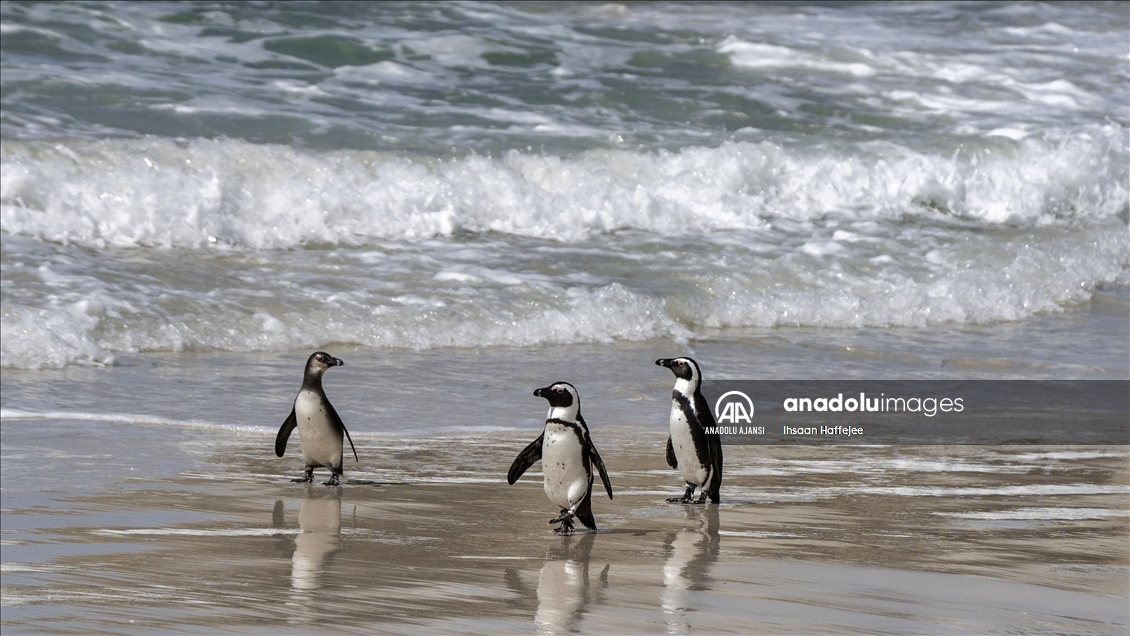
193	532
879	466
45	338
387	71
1061	455
545	314
157	193
760	235
1039	514
756	534
496	558
1032	490
134	419
760	55
18	414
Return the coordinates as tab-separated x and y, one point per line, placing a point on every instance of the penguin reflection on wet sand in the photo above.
690	555
564	587
568	457
320	429
696	453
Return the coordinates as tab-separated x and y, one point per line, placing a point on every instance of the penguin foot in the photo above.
566	521
309	476
686	498
332	482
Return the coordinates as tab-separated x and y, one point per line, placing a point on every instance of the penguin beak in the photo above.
336	362
664	362
538	392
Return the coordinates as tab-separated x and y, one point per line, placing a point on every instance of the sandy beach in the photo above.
426	535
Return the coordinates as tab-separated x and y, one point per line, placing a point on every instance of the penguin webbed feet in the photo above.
308	477
333	481
566	521
688	496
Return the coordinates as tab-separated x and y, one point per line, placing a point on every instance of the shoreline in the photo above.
149	492
428	536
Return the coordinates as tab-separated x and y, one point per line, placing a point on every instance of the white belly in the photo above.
689	467
565	480
321	444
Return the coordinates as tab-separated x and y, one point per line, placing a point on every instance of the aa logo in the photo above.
734	407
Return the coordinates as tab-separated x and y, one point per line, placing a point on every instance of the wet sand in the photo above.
425	535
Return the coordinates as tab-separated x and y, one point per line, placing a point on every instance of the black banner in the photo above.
921	411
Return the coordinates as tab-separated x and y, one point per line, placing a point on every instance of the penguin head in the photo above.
560	395
683	368
319	361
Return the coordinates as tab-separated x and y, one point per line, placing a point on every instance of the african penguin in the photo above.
319	427
567	456
696	453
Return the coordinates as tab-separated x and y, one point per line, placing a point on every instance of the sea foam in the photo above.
123	246
159	192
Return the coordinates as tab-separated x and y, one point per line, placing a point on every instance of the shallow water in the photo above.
923	539
149	492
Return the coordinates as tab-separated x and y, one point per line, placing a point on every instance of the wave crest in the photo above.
162	193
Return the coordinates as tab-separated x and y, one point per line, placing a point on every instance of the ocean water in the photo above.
258	177
466	201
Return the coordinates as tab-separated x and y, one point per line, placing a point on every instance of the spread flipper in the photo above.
672	461
528	457
284	433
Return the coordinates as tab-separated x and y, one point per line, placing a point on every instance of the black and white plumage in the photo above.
320	429
696	453
568	457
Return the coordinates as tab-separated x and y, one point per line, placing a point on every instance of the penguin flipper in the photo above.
284	433
528	457
595	456
715	445
335	419
584	510
351	446
672	461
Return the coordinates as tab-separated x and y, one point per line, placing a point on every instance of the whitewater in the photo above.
181	177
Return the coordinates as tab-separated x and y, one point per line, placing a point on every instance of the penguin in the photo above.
319	427
690	449
568	457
